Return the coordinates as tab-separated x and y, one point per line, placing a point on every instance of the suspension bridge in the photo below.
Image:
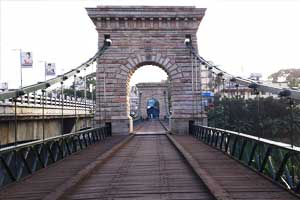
116	157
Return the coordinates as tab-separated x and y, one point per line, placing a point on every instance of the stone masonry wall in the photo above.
143	36
157	91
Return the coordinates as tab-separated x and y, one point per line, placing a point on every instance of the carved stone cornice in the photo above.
146	17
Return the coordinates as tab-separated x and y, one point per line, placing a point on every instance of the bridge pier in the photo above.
121	125
179	126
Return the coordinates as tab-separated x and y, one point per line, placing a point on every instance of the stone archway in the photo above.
157	91
143	36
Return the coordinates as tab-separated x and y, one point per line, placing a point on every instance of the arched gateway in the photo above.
142	36
153	91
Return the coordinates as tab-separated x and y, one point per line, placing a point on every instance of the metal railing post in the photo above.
62	107
85	87
75	102
191	123
43	113
16	121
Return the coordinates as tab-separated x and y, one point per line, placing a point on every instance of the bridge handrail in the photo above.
278	161
21	160
33	99
14	148
60	78
258	139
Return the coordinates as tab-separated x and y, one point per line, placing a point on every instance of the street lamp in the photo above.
85	97
20	50
287	95
140	104
45	64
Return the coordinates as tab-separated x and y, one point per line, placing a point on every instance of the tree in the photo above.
293	83
264	117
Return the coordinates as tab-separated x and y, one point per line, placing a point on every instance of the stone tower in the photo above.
144	36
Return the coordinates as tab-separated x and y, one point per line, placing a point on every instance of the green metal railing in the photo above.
22	160
278	161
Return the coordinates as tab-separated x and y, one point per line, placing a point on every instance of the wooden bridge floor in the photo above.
149	127
238	181
146	167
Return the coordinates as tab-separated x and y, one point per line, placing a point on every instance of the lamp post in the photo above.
140	102
254	87
62	106
45	64
85	97
237	90
43	112
75	99
20	50
287	94
224	110
93	103
166	105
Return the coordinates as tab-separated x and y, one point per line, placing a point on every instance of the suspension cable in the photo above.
193	101
261	87
196	88
59	78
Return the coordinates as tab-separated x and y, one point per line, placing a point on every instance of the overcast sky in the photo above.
241	36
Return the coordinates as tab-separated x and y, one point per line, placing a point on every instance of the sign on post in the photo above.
26	59
50	69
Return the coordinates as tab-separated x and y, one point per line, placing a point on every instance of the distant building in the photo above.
233	89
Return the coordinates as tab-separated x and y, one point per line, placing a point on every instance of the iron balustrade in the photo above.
278	161
34	99
22	160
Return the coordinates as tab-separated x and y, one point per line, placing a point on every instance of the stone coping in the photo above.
146	12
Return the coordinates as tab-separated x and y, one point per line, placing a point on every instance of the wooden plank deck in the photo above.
237	180
150	127
148	167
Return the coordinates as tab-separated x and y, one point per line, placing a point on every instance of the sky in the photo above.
241	36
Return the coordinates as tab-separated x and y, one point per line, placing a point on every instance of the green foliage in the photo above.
293	83
265	117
